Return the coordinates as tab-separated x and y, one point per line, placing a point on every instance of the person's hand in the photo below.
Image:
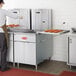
21	17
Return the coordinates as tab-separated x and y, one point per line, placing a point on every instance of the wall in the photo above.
63	11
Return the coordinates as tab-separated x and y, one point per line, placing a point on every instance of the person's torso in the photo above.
2	19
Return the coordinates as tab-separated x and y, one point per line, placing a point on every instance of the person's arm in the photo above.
12	15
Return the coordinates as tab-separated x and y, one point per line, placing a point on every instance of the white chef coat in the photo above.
3	14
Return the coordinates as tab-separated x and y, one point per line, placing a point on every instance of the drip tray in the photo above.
21	30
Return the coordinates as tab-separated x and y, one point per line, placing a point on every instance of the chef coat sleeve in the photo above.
11	14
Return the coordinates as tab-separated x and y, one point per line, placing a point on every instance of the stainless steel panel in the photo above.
41	19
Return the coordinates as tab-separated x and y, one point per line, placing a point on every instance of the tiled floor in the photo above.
51	67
